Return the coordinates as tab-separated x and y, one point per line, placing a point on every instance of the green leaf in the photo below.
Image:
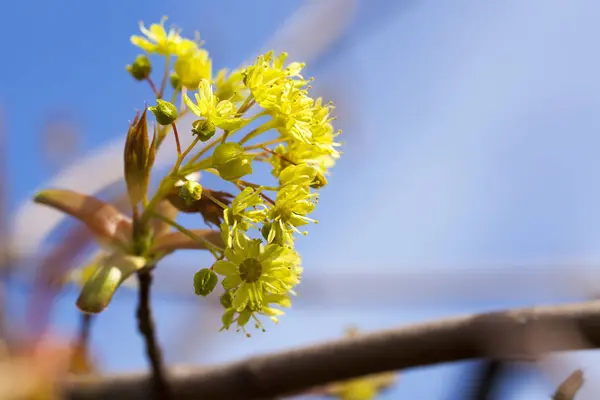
103	219
99	288
205	281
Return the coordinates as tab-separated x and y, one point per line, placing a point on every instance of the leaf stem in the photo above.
214	249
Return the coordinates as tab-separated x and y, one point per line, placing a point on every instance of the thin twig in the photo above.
570	386
442	341
176	134
488	380
153	87
146	328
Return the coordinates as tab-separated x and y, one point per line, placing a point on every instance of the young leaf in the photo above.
98	290
103	219
135	156
179	241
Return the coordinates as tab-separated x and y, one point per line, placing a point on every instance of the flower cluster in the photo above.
261	113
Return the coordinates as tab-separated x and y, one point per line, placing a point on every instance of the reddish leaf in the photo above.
103	219
179	241
211	213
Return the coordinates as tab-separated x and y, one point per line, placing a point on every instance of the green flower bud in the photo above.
205	281
227	299
273	234
141	68
231	161
175	81
165	112
204	129
227	318
319	182
265	230
190	191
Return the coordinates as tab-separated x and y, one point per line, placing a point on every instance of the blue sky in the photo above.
472	132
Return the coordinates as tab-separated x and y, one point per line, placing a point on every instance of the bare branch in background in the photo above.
570	386
522	333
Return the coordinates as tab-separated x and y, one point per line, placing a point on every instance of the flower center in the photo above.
250	270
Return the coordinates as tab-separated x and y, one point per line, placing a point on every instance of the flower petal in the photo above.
240	299
232	281
225	268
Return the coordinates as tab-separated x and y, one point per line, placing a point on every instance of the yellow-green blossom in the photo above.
230	86
292	204
231	315
266	77
192	66
157	39
221	114
246	209
253	272
231	161
301	175
298	153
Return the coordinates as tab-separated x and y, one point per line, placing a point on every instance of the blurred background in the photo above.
469	181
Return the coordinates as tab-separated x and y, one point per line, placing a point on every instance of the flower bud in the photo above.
138	159
190	191
205	281
227	299
141	68
165	112
175	81
204	129
319	182
231	161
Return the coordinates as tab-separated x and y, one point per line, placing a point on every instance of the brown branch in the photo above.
146	328
522	333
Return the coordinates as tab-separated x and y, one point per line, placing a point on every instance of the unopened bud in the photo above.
190	191
205	281
165	112
319	182
227	300
204	129
175	81
141	68
231	161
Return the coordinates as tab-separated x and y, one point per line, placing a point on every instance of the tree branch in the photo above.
146	328
501	335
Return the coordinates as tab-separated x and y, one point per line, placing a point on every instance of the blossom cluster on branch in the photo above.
261	113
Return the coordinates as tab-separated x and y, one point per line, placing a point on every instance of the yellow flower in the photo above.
221	114
293	110
230	87
193	65
157	39
266	77
295	153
